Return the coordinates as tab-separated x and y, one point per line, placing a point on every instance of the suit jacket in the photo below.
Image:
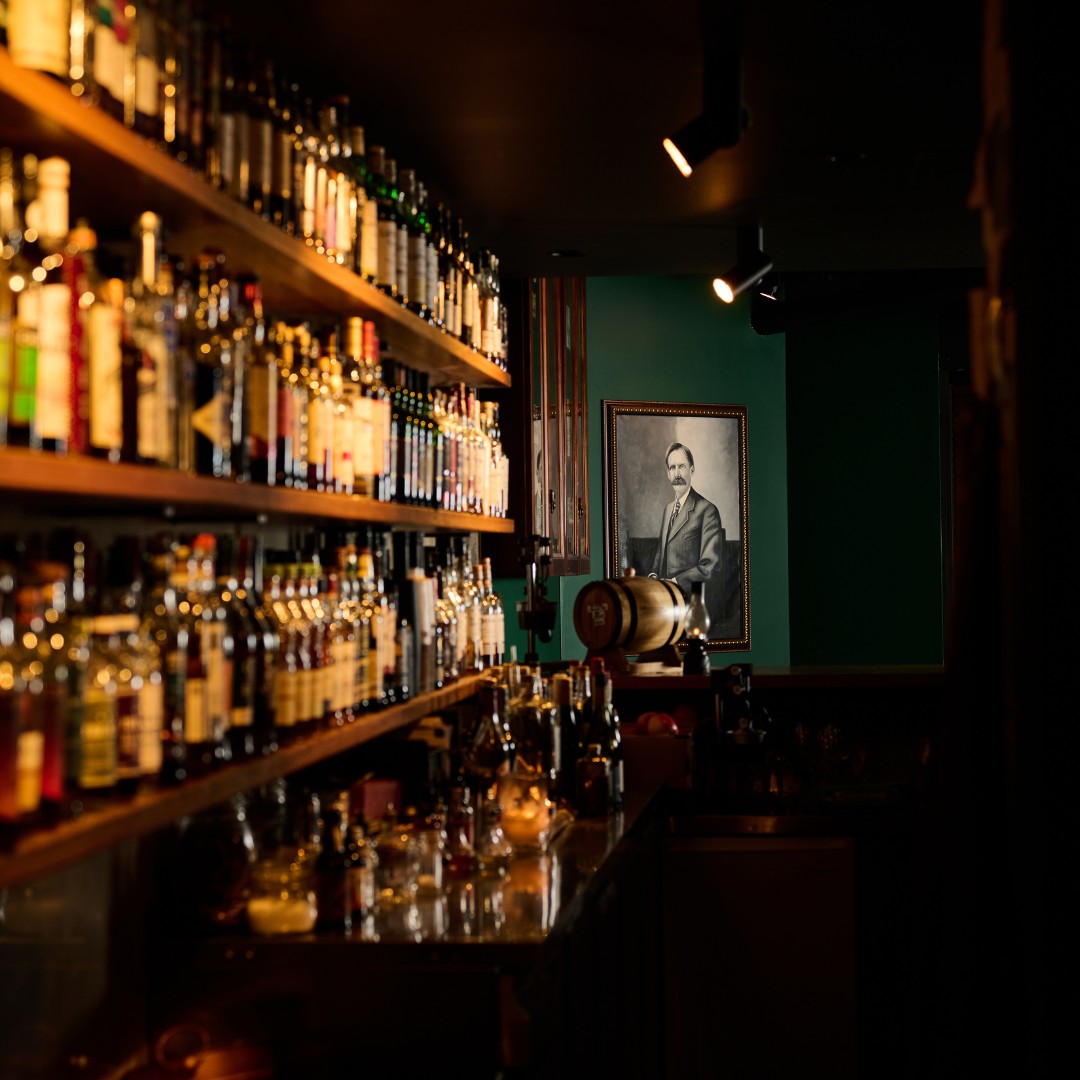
693	551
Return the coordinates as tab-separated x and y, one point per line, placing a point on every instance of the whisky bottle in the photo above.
342	423
267	644
288	664
211	334
376	613
340	642
148	328
22	738
114	59
569	736
261	384
386	209
241	646
603	729
493	621
365	214
281	202
148	72
261	101
209	682
161	625
47	302
333	868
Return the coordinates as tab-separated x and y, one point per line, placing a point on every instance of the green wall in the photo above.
662	339
843	462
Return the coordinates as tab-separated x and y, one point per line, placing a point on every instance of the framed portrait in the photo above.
675	504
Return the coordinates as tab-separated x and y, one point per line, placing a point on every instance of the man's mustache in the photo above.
677	480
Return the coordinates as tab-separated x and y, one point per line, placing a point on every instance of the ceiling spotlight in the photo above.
723	117
751	266
694	142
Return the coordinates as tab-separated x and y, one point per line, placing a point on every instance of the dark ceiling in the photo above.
541	125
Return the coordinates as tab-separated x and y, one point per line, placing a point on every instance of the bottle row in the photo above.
416	846
172	71
151	366
140	664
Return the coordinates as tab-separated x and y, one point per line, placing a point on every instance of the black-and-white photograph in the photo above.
675	504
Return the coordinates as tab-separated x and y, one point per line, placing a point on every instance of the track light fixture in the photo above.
723	118
751	266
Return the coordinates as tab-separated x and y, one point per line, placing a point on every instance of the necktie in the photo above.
674	515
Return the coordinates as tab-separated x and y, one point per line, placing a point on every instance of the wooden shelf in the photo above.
88	485
116	174
48	850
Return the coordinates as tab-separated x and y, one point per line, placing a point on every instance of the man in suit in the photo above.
690	543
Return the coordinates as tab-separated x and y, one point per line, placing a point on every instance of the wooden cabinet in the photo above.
115	175
558	385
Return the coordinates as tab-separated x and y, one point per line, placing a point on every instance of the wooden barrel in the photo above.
635	614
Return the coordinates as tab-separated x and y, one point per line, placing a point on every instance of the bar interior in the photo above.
532	540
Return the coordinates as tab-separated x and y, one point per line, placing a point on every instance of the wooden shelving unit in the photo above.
43	851
116	174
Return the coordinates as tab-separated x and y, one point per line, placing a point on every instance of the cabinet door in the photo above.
559	416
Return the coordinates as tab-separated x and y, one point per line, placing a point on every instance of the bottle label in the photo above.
418	270
262	420
218	677
109	49
146	85
151	724
29	760
106	402
318	431
387	256
262	158
210	421
53	404
153	391
283	167
344	443
38	35
369	239
196	719
286	690
307	191
344	217
98	740
402	241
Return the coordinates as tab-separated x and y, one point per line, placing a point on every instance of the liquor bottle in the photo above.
569	736
242	645
261	102
114	59
161	624
21	736
357	614
406	228
288	665
312	638
209	682
148	97
267	644
446	661
173	30
471	577
356	419
387	602
261	384
340	643
211	334
366	219
429	252
489	749
46	304
291	422
38	35
534	724
343	421
198	83
602	729
237	413
11	279
281	202
344	231
319	411
386	208
20	257
376	611
305	172
453	588
333	866
492	621
149	330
